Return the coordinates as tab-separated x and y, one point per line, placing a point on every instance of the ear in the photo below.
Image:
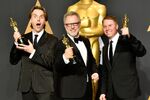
117	26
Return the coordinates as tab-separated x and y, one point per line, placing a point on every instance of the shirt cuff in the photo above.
16	43
32	54
65	60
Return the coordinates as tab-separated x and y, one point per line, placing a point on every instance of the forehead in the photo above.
71	18
38	12
109	21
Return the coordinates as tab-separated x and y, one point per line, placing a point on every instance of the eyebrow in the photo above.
73	22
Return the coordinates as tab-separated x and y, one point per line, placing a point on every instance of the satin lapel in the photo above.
117	51
42	39
105	58
75	50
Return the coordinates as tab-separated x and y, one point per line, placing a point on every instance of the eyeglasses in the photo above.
72	24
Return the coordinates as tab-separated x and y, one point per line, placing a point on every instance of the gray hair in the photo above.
71	13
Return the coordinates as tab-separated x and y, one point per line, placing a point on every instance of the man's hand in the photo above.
125	31
16	36
102	97
95	77
68	53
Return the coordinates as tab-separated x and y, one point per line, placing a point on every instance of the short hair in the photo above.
110	18
40	8
71	13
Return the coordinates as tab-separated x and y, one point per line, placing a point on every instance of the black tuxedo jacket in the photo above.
71	79
122	76
36	73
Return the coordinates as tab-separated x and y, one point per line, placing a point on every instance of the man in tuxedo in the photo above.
75	65
37	57
120	79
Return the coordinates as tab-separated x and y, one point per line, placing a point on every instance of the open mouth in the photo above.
38	24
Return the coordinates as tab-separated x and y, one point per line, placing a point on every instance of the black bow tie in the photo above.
77	39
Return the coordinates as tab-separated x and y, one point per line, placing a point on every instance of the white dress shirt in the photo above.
114	43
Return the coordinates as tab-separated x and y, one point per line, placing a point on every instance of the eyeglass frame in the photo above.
72	24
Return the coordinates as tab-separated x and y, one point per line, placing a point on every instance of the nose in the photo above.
72	26
38	18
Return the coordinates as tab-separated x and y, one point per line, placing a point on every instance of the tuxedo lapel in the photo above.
75	50
116	54
72	44
105	58
42	39
117	51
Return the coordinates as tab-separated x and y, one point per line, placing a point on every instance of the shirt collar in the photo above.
115	38
39	33
72	38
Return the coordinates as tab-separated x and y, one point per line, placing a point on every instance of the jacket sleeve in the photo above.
136	46
15	55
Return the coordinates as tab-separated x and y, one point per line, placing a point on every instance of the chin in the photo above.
38	30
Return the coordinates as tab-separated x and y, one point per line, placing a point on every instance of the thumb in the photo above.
29	42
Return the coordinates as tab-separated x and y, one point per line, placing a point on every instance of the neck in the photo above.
37	31
75	36
86	1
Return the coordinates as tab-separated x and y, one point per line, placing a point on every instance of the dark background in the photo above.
139	20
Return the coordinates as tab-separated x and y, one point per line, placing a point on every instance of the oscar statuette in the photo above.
125	24
13	24
125	21
65	41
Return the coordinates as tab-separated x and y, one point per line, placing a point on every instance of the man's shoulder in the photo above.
52	36
26	34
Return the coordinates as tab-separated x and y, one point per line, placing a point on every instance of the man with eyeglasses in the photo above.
75	65
91	14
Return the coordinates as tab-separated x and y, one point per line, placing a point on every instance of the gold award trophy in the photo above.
125	21
94	89
13	24
65	41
